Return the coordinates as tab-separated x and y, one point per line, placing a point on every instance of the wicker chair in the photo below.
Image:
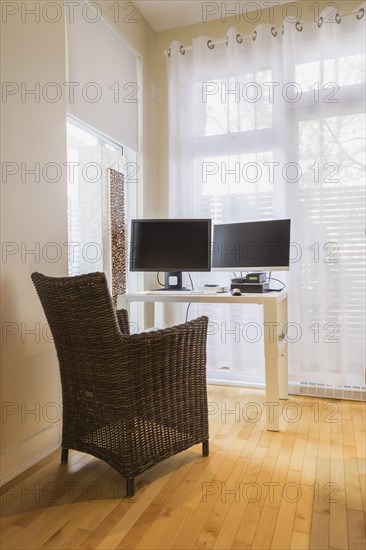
130	400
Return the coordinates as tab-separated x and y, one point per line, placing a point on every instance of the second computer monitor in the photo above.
252	246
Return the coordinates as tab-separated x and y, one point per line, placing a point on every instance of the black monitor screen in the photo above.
170	245
252	246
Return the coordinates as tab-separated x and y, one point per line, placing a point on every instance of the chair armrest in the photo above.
191	336
167	361
123	321
161	376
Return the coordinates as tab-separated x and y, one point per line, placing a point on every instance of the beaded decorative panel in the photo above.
118	233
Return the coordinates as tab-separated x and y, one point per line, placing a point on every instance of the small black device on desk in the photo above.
252	283
235	292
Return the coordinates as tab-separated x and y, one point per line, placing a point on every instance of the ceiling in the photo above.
170	14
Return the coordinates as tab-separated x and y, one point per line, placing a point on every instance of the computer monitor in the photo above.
172	246
252	246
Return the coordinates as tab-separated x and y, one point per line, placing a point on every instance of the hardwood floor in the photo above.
300	488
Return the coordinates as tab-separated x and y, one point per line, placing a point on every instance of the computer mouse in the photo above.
236	292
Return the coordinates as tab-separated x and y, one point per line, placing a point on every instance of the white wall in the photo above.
34	214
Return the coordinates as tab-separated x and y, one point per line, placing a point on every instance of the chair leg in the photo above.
130	487
205	448
64	455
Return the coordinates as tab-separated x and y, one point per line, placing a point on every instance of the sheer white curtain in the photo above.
258	131
326	136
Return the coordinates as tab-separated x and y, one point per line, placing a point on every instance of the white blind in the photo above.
102	79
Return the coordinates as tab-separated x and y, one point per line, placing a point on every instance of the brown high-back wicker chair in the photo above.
130	400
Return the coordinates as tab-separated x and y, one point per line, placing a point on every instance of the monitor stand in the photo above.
173	280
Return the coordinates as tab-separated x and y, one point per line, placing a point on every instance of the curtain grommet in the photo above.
254	37
210	44
273	31
298	26
338	18
239	38
182	50
361	13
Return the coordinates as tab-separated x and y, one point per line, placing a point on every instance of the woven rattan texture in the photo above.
118	233
131	401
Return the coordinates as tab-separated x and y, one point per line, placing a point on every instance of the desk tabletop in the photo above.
222	297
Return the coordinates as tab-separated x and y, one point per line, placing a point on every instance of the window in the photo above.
90	155
279	131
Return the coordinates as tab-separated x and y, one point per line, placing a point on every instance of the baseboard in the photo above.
29	452
311	389
235	383
315	389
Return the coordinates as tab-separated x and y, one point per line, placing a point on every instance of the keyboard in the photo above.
208	292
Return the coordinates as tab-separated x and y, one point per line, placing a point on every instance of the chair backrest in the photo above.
78	309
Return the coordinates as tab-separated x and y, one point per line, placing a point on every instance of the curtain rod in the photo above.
299	27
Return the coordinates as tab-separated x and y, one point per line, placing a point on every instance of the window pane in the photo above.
332	151
344	71
236	104
236	176
84	201
89	158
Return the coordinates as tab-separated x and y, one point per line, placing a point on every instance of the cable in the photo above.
157	276
277	289
190	278
241	276
189	305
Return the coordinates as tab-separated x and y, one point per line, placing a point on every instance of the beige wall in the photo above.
36	212
33	214
214	29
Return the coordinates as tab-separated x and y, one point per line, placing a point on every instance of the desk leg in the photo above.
283	346
275	350
272	404
283	373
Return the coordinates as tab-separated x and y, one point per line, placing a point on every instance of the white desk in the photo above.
275	342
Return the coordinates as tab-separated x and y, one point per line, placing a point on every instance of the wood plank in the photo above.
300	541
142	525
75	539
338	537
356	530
319	537
291	495
232	491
